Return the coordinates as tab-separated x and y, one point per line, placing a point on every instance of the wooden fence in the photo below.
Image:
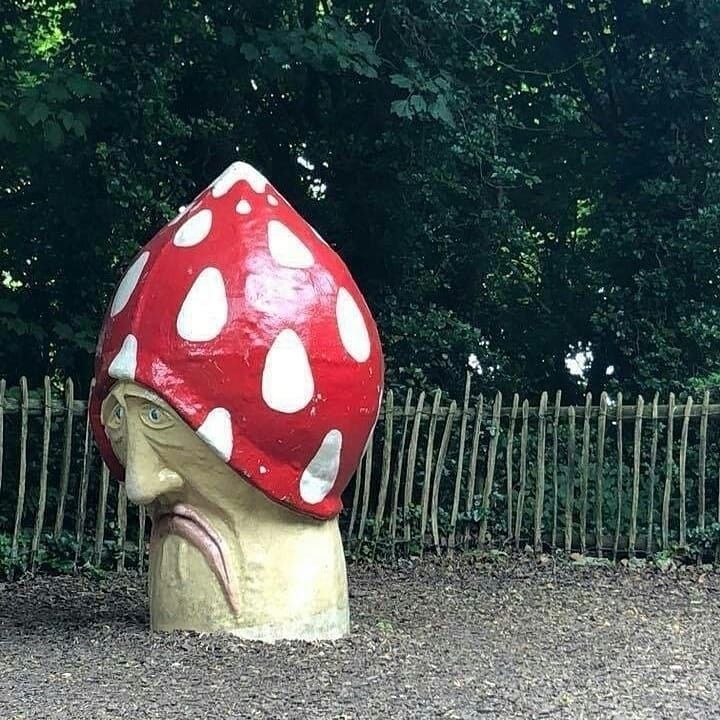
610	478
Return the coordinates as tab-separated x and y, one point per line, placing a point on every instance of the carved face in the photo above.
191	495
221	553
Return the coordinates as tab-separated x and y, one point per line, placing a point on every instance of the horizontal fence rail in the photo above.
606	476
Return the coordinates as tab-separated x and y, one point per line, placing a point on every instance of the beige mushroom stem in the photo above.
222	557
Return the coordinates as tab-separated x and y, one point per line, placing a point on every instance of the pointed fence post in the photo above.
470	494
556	427
492	452
702	453
397	481
385	468
439	470
22	475
540	473
637	448
100	516
84	482
570	481
653	477
681	476
619	485
523	473
410	472
427	479
42	498
509	465
460	463
2	427
66	458
602	420
668	475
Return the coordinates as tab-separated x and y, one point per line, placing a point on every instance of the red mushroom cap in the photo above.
250	326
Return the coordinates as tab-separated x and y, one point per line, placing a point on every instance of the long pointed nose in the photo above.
146	477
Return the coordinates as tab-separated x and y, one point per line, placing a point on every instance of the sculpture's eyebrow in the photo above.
121	391
144	395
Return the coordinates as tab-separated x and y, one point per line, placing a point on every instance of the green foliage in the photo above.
504	178
704	543
57	554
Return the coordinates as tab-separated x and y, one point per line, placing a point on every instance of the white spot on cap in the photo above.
194	230
233	174
263	470
124	364
320	475
243	207
216	431
128	284
353	331
272	200
287	381
286	248
204	311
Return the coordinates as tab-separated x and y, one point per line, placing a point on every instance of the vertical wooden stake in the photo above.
470	494
397	480
142	514
619	486
100	516
492	452
702	460
540	473
637	449
585	474
653	478
509	464
668	475
570	481
602	420
427	479
366	488
357	479
410	472
66	458
122	526
19	508
439	470
681	477
84	481
460	463
385	468
2	427
42	498
523	473
556	427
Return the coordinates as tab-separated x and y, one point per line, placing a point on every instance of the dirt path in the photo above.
429	641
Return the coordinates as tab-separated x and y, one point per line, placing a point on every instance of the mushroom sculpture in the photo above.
238	378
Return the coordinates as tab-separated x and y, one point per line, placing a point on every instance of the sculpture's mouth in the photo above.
188	523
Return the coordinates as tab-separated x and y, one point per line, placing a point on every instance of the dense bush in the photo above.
509	179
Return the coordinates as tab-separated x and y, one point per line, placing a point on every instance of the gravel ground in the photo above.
434	640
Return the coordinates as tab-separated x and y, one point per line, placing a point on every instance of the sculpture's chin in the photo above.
185	591
189	524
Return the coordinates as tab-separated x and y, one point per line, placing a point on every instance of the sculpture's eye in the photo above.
155	417
117	417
